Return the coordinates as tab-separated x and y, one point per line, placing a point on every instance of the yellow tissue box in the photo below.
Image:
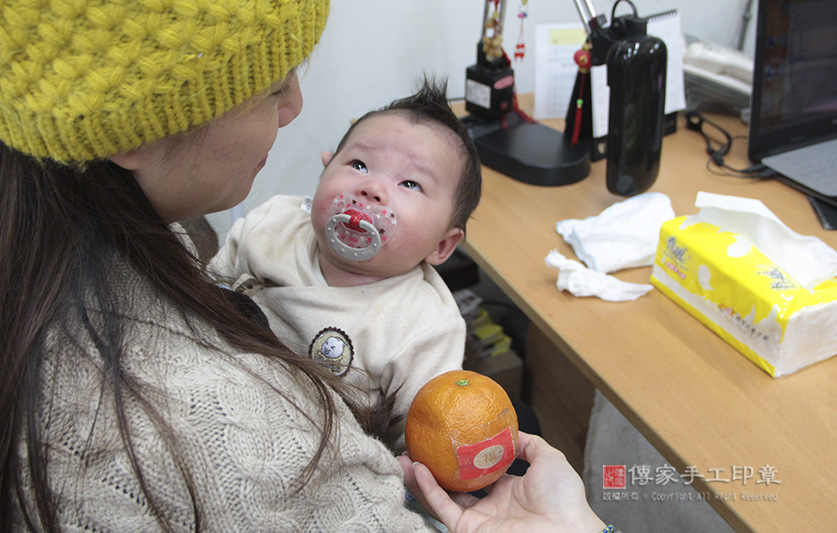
744	297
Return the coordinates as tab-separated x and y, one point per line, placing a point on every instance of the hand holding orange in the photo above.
463	427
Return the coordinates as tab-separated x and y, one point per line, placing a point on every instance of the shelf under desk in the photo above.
695	398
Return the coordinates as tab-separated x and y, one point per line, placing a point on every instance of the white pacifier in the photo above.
355	230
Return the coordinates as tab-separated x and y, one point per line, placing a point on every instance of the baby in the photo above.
347	278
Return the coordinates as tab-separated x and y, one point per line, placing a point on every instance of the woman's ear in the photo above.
445	247
129	159
146	154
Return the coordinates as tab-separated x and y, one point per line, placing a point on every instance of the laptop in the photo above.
793	108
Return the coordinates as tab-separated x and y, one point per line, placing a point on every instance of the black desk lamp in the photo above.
511	143
507	140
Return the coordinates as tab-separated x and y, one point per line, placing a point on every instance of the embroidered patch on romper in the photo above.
333	348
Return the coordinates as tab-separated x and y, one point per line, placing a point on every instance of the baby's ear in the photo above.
326	157
445	247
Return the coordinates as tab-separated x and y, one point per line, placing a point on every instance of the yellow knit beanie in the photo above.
86	79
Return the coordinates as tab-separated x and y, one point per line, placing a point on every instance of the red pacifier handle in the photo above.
355	218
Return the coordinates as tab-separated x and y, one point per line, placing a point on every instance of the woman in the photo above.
137	395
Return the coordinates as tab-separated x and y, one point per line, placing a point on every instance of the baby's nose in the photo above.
372	191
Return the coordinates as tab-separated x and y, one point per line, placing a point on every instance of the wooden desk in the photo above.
694	397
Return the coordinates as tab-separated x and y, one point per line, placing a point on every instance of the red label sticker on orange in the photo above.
485	457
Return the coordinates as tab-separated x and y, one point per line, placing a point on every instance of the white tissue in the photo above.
579	280
624	235
807	259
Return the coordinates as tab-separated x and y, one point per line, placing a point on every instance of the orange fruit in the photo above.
463	427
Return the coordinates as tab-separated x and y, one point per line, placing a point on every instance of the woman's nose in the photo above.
291	107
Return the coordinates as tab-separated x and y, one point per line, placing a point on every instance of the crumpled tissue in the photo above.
624	235
807	259
579	280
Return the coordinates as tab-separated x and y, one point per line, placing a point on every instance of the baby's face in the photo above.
412	170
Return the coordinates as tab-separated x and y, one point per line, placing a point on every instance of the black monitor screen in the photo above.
795	78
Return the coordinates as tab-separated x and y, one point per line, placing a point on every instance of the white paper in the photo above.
807	259
600	93
555	68
666	26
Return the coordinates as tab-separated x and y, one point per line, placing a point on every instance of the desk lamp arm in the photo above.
588	16
601	38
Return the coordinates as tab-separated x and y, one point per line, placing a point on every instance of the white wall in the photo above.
373	51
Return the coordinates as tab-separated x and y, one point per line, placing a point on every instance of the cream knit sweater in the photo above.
244	444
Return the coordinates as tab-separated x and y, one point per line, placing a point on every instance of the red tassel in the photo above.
578	110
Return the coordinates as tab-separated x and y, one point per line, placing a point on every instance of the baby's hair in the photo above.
430	105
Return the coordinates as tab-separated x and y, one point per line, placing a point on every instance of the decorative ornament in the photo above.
522	13
584	59
492	45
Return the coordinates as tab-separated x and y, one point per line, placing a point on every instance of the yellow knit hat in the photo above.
86	79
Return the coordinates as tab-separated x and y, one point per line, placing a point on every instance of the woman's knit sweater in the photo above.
245	428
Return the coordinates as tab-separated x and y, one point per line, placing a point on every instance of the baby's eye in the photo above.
360	166
410	184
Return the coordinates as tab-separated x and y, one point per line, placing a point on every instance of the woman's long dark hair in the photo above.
61	227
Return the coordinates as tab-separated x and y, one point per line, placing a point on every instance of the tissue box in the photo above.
745	298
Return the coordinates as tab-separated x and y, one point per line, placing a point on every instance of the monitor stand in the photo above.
528	151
